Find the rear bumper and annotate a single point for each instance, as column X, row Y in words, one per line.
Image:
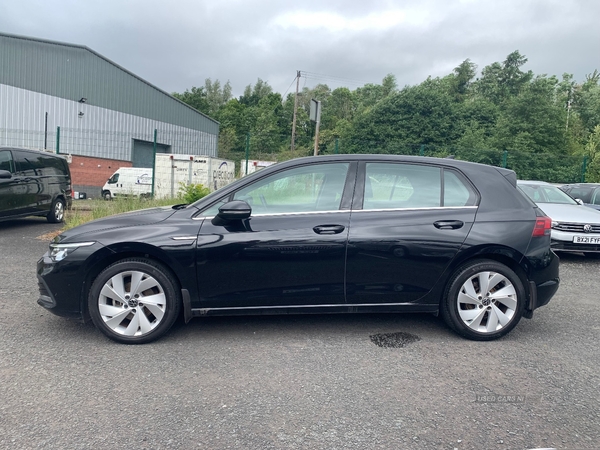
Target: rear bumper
column 544, row 280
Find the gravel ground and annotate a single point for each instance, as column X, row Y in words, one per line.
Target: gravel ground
column 297, row 382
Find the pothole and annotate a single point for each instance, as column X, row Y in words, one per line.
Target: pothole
column 394, row 340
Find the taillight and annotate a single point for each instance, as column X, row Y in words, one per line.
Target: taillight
column 542, row 226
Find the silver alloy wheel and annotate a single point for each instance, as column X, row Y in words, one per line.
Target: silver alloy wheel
column 487, row 302
column 132, row 303
column 59, row 211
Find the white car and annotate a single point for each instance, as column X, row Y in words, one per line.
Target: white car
column 575, row 228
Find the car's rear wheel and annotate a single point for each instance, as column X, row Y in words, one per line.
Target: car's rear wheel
column 57, row 211
column 484, row 300
column 134, row 301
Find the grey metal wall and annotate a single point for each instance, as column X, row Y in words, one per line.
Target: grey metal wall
column 71, row 72
column 98, row 132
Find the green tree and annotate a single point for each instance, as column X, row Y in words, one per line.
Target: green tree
column 196, row 98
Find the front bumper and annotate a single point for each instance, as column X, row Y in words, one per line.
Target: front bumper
column 562, row 241
column 62, row 284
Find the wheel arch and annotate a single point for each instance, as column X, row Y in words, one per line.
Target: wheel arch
column 501, row 254
column 121, row 252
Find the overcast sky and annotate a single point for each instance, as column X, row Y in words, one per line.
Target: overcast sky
column 177, row 44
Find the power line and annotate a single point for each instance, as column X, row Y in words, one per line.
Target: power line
column 332, row 78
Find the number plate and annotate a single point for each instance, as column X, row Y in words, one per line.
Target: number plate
column 586, row 240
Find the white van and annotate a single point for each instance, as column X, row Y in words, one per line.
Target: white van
column 126, row 181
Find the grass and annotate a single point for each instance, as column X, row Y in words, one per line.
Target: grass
column 86, row 210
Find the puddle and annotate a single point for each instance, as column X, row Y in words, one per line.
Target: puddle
column 394, row 340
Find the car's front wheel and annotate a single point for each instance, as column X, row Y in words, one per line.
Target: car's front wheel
column 134, row 301
column 484, row 300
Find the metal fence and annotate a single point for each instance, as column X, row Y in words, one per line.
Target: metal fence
column 549, row 167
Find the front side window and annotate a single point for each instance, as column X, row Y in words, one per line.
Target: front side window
column 393, row 186
column 582, row 193
column 317, row 187
column 113, row 179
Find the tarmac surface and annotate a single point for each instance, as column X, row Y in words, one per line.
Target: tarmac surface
column 296, row 382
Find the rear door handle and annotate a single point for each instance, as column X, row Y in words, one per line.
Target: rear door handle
column 329, row 229
column 448, row 224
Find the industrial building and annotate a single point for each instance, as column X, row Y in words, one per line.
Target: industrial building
column 68, row 99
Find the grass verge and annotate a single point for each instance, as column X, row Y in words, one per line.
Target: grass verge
column 85, row 211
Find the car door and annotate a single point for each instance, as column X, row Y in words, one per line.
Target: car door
column 30, row 183
column 408, row 222
column 10, row 203
column 292, row 250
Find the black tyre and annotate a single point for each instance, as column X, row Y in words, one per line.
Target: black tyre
column 57, row 211
column 134, row 301
column 484, row 300
column 106, row 195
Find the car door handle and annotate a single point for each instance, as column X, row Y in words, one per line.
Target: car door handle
column 448, row 224
column 329, row 229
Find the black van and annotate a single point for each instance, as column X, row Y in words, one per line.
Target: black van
column 33, row 183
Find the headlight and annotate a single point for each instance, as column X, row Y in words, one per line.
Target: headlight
column 58, row 252
column 555, row 224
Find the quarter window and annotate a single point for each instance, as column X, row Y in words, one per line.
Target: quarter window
column 456, row 190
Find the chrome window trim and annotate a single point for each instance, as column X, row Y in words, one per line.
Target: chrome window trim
column 287, row 213
column 415, row 209
column 183, row 238
column 348, row 210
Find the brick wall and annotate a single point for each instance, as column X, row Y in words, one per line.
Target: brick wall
column 87, row 171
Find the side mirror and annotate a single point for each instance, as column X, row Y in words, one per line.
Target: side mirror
column 235, row 210
column 5, row 175
column 578, row 200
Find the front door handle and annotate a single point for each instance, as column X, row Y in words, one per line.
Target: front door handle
column 448, row 224
column 329, row 229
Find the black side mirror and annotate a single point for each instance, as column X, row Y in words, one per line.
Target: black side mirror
column 5, row 175
column 235, row 210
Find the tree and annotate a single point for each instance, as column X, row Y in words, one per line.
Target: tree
column 216, row 96
column 196, row 98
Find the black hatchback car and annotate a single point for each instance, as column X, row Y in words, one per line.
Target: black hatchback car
column 33, row 183
column 347, row 233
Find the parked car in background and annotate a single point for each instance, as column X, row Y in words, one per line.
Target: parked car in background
column 575, row 227
column 588, row 193
column 33, row 183
column 328, row 234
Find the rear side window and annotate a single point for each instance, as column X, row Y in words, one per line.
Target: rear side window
column 6, row 161
column 392, row 186
column 28, row 163
column 397, row 186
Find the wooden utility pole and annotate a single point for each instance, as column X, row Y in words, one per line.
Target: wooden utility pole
column 295, row 111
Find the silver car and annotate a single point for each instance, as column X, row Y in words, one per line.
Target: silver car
column 575, row 228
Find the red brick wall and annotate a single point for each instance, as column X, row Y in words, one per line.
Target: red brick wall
column 87, row 171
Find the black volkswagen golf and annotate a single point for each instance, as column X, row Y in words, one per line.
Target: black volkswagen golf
column 329, row 234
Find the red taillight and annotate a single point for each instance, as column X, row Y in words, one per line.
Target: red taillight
column 542, row 226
